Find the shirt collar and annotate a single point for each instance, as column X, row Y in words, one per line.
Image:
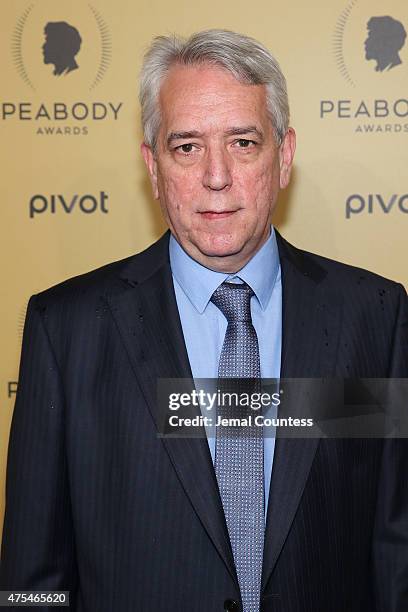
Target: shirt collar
column 199, row 282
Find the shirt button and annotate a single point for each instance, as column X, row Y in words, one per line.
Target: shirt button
column 231, row 605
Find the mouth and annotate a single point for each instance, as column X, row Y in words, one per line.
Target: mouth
column 223, row 214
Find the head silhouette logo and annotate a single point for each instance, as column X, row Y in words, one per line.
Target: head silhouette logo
column 62, row 44
column 386, row 37
column 53, row 46
column 368, row 45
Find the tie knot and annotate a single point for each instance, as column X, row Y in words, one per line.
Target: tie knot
column 233, row 299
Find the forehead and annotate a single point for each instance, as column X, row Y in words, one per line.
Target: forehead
column 209, row 96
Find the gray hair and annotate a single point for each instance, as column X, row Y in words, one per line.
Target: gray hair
column 245, row 58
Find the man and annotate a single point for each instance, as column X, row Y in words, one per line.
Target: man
column 97, row 502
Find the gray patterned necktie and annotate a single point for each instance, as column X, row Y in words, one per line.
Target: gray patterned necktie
column 239, row 450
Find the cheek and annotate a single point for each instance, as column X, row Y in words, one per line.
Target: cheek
column 177, row 191
column 259, row 186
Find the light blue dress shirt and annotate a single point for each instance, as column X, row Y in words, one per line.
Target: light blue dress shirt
column 204, row 325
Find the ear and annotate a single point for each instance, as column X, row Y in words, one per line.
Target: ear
column 286, row 154
column 151, row 166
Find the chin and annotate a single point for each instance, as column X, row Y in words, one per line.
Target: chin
column 221, row 245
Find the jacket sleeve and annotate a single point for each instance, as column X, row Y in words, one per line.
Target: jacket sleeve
column 38, row 549
column 390, row 538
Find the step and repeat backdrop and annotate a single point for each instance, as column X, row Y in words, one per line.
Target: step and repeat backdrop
column 73, row 191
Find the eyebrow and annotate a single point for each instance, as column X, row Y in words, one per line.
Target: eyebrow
column 182, row 135
column 247, row 129
column 233, row 131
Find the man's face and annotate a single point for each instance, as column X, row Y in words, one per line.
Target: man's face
column 370, row 46
column 47, row 50
column 217, row 168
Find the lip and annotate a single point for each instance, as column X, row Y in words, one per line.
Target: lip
column 210, row 214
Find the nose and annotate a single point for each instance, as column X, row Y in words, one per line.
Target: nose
column 217, row 172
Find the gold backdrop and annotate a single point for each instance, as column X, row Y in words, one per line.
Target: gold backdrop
column 74, row 194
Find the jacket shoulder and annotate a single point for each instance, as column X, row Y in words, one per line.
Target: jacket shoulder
column 353, row 274
column 336, row 273
column 109, row 279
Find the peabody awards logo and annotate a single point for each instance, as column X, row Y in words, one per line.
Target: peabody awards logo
column 62, row 52
column 370, row 50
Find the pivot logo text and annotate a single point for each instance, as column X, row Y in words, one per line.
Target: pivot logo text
column 88, row 204
column 375, row 203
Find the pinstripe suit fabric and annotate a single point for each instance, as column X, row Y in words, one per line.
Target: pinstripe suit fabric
column 128, row 522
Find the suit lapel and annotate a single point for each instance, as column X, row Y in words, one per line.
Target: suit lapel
column 310, row 331
column 147, row 317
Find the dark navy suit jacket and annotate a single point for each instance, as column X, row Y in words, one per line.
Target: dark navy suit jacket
column 99, row 505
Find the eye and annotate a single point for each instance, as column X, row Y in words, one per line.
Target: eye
column 244, row 143
column 188, row 147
